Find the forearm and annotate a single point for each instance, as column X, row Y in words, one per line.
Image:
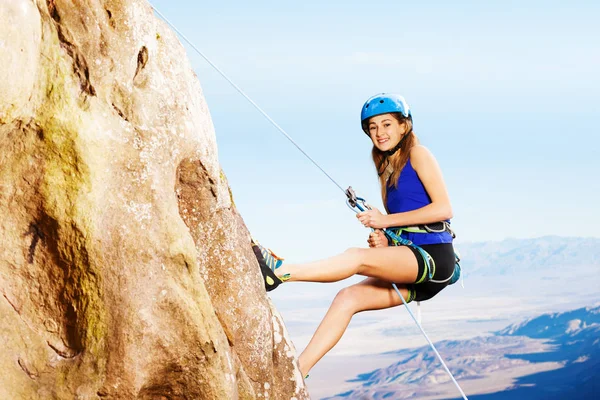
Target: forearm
column 425, row 215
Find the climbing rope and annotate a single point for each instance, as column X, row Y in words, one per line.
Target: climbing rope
column 352, row 201
column 280, row 129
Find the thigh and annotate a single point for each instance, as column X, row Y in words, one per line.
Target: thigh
column 374, row 294
column 392, row 263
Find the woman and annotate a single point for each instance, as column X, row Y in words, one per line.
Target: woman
column 414, row 195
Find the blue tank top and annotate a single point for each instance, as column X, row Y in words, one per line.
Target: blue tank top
column 411, row 195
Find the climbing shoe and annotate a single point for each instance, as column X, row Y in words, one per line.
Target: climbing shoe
column 268, row 262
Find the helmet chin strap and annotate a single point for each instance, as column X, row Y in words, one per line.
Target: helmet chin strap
column 393, row 151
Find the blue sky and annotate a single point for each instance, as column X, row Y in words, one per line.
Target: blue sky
column 505, row 94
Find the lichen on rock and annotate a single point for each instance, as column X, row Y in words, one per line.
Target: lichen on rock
column 125, row 270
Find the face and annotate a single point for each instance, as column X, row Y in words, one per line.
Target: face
column 385, row 131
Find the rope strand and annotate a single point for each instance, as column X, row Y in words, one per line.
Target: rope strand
column 430, row 343
column 280, row 129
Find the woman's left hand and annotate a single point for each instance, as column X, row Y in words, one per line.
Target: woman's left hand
column 372, row 218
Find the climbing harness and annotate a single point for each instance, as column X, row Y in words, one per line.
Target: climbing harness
column 395, row 102
column 437, row 227
column 358, row 204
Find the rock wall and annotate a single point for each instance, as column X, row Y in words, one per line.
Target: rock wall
column 125, row 270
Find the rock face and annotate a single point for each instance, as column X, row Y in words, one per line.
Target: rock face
column 125, row 270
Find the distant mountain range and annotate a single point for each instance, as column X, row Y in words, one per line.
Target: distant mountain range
column 569, row 340
column 529, row 255
column 557, row 325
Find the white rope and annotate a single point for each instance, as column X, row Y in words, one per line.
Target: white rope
column 315, row 163
column 246, row 96
column 430, row 343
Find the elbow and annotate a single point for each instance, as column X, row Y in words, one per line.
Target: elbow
column 446, row 213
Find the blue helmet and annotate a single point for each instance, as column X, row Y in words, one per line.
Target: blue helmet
column 384, row 103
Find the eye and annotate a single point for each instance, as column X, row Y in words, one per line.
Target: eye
column 386, row 125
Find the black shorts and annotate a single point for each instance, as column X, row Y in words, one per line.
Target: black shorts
column 442, row 265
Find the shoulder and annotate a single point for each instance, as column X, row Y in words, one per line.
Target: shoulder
column 420, row 156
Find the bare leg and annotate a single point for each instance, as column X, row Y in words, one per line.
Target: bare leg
column 393, row 264
column 370, row 294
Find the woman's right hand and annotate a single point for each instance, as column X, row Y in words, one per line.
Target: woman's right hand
column 377, row 239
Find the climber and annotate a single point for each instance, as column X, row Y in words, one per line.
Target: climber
column 414, row 195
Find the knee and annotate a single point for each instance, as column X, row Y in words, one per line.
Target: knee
column 353, row 250
column 347, row 300
column 356, row 253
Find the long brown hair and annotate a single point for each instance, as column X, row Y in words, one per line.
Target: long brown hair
column 397, row 161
